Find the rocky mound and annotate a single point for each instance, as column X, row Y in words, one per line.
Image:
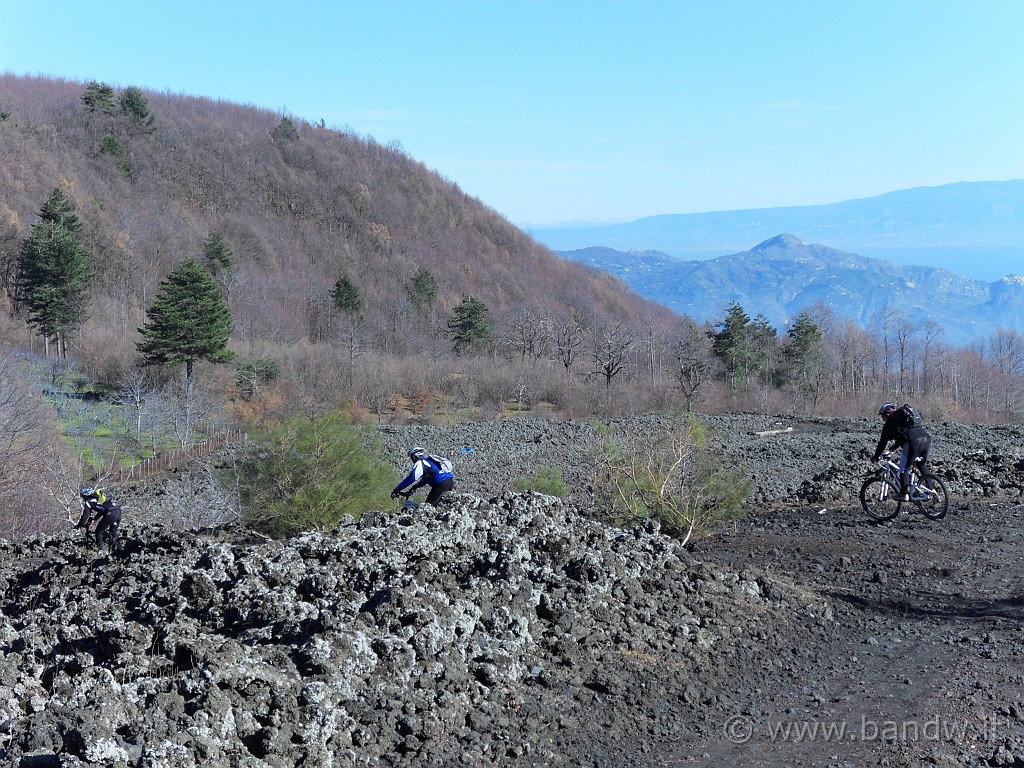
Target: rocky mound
column 487, row 632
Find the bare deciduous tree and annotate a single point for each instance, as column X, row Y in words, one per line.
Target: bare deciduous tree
column 1007, row 349
column 529, row 330
column 692, row 351
column 29, row 442
column 611, row 352
column 569, row 336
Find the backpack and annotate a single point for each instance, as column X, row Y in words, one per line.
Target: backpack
column 907, row 417
column 443, row 464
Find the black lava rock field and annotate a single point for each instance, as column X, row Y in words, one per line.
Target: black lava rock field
column 512, row 628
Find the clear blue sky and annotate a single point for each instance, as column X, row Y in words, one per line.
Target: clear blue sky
column 558, row 111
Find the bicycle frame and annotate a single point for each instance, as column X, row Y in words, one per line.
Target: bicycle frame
column 882, row 494
column 891, row 471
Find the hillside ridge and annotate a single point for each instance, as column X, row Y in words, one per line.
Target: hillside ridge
column 298, row 205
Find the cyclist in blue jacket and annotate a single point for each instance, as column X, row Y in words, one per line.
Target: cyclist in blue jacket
column 427, row 469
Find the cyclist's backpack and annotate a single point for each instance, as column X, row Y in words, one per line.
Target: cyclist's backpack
column 443, row 464
column 907, row 417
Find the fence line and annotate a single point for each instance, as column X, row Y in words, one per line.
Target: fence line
column 164, row 461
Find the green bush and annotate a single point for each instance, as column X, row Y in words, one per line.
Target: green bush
column 253, row 373
column 309, row 473
column 672, row 478
column 546, row 480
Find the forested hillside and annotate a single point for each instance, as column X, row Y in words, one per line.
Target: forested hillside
column 350, row 273
column 343, row 260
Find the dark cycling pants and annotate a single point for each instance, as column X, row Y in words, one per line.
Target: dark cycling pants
column 917, row 446
column 106, row 528
column 436, row 491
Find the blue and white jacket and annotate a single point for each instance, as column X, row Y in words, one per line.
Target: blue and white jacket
column 430, row 470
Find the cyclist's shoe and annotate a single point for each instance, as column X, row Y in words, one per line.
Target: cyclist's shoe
column 905, row 496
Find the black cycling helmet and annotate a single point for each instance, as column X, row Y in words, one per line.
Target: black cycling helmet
column 416, row 453
column 886, row 409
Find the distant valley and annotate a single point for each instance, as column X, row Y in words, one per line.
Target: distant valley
column 974, row 229
column 784, row 275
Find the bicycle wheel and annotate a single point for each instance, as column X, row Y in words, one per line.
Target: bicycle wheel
column 880, row 499
column 937, row 504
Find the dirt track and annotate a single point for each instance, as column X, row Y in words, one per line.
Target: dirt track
column 923, row 664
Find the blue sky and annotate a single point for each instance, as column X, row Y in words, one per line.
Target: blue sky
column 557, row 112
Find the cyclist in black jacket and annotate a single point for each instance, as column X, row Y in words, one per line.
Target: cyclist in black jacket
column 913, row 439
column 102, row 510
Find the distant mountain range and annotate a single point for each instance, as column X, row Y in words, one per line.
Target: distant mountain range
column 783, row 275
column 971, row 228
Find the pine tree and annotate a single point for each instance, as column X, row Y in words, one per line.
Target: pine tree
column 469, row 326
column 99, row 97
column 422, row 290
column 285, row 132
column 53, row 273
column 803, row 356
column 135, row 107
column 804, row 339
column 188, row 321
column 732, row 345
column 218, row 258
column 345, row 296
column 60, row 209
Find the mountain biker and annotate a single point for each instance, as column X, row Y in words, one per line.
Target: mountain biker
column 902, row 426
column 92, row 498
column 102, row 510
column 427, row 469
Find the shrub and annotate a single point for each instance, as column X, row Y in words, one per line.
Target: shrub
column 253, row 373
column 546, row 480
column 672, row 478
column 309, row 473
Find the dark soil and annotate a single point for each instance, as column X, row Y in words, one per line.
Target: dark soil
column 516, row 629
column 923, row 662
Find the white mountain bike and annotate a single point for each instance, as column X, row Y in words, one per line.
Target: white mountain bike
column 882, row 499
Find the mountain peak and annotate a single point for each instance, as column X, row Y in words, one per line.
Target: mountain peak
column 784, row 241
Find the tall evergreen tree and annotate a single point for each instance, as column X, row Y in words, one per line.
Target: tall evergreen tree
column 99, row 97
column 764, row 347
column 53, row 273
column 731, row 344
column 285, row 131
column 469, row 326
column 188, row 321
column 218, row 258
column 422, row 290
column 345, row 296
column 803, row 356
column 60, row 209
column 217, row 253
column 135, row 107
